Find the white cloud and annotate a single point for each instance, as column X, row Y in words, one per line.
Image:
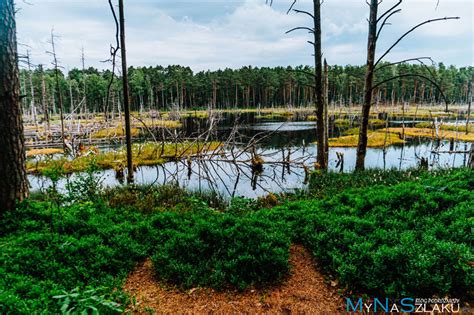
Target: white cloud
column 235, row 33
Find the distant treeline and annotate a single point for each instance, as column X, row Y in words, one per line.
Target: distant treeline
column 162, row 88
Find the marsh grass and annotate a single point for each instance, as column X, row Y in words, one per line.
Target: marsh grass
column 45, row 151
column 148, row 153
column 430, row 133
column 376, row 139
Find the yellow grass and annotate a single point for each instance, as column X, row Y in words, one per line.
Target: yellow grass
column 157, row 123
column 459, row 128
column 202, row 114
column 268, row 116
column 114, row 132
column 375, row 139
column 430, row 133
column 48, row 151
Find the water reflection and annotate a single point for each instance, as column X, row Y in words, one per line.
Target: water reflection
column 237, row 179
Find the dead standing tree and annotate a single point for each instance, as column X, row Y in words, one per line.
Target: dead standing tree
column 126, row 95
column 317, row 75
column 58, row 88
column 376, row 25
column 13, row 179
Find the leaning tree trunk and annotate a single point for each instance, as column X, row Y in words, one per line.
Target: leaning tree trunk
column 13, row 181
column 369, row 79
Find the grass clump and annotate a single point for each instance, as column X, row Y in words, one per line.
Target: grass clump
column 430, row 133
column 458, row 128
column 376, row 139
column 114, row 132
column 47, row 151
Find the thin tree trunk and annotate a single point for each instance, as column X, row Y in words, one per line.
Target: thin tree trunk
column 13, row 179
column 369, row 78
column 126, row 95
column 44, row 100
column 58, row 91
column 470, row 100
column 326, row 114
column 318, row 72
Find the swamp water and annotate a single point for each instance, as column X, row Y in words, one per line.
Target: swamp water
column 278, row 137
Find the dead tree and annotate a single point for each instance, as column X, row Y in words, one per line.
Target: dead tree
column 470, row 100
column 471, row 157
column 126, row 95
column 376, row 25
column 13, row 179
column 326, row 113
column 84, row 82
column 58, row 89
column 32, row 91
column 318, row 76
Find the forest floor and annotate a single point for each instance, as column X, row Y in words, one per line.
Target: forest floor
column 305, row 290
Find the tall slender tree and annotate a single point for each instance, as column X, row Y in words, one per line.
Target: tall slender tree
column 126, row 95
column 13, row 180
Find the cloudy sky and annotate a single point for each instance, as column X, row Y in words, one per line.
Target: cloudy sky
column 212, row 34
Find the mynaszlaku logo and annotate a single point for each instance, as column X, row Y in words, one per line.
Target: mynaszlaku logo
column 405, row 305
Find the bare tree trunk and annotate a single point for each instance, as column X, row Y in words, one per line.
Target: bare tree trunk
column 471, row 157
column 44, row 100
column 58, row 91
column 326, row 114
column 369, row 78
column 126, row 95
column 84, row 83
column 470, row 100
column 318, row 74
column 32, row 89
column 13, row 180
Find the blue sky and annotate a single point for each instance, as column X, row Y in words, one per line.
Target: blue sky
column 216, row 34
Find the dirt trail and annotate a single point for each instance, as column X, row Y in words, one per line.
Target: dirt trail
column 303, row 292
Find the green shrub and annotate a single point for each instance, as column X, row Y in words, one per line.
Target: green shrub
column 220, row 251
column 45, row 252
column 412, row 238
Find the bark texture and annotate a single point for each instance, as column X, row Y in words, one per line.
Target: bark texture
column 13, row 180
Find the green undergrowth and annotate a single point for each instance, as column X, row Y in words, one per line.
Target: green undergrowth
column 393, row 238
column 386, row 233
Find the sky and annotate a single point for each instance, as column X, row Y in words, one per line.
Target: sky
column 213, row 34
